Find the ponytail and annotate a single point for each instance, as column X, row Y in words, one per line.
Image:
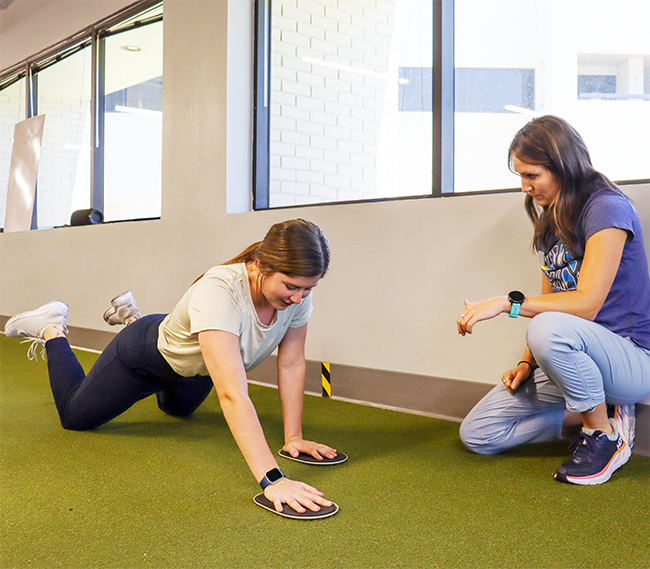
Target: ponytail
column 246, row 256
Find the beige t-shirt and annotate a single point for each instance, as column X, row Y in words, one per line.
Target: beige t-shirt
column 221, row 300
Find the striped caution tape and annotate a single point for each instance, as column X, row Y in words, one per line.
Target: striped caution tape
column 325, row 379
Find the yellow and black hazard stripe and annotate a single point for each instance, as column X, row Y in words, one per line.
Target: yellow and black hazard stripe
column 325, row 379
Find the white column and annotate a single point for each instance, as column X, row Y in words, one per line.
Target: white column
column 629, row 76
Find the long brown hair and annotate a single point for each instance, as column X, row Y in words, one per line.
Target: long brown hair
column 295, row 247
column 551, row 142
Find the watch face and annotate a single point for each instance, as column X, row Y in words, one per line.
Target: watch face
column 516, row 296
column 274, row 475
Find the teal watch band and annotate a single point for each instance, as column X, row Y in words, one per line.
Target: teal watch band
column 516, row 299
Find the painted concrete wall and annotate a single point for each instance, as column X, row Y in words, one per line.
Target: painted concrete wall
column 400, row 269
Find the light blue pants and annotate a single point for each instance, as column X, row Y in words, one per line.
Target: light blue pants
column 581, row 364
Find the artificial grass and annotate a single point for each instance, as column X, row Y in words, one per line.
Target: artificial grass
column 151, row 491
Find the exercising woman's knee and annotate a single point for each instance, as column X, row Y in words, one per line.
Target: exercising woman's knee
column 175, row 408
column 76, row 424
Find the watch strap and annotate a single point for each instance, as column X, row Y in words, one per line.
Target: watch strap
column 271, row 477
column 516, row 299
column 514, row 310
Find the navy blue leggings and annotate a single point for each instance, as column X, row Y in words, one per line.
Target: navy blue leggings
column 128, row 370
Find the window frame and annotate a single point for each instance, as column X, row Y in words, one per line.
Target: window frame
column 94, row 37
column 443, row 107
column 443, row 112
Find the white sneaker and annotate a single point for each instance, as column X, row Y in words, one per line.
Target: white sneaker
column 32, row 324
column 624, row 415
column 123, row 310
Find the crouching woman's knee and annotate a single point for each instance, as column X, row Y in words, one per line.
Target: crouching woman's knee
column 542, row 332
column 471, row 437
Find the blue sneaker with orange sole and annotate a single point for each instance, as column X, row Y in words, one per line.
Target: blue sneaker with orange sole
column 595, row 458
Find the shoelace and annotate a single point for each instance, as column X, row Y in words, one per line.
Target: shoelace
column 583, row 446
column 31, row 352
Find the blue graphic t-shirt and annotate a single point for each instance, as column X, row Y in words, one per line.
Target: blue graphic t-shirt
column 626, row 310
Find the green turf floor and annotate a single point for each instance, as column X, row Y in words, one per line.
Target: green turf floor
column 150, row 491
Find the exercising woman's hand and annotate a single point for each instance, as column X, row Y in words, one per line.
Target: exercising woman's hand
column 513, row 378
column 482, row 310
column 318, row 451
column 295, row 494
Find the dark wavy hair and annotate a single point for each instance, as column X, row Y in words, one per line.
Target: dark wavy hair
column 295, row 247
column 551, row 142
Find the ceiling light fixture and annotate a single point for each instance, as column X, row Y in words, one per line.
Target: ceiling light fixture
column 131, row 48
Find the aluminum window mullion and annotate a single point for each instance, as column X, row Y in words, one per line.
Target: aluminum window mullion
column 443, row 97
column 134, row 25
column 98, row 102
column 12, row 79
column 41, row 66
column 31, row 110
column 261, row 111
column 31, row 92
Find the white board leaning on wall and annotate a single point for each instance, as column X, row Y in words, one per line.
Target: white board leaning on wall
column 25, row 157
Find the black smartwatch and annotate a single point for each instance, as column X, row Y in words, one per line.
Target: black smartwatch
column 516, row 299
column 271, row 477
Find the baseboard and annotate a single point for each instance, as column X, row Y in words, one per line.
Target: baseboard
column 443, row 398
column 425, row 395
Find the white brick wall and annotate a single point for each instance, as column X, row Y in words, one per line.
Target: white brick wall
column 333, row 134
column 64, row 171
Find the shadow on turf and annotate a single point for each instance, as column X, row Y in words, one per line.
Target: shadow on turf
column 201, row 425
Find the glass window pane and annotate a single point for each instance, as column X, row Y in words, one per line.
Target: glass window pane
column 351, row 100
column 12, row 111
column 64, row 172
column 587, row 61
column 133, row 124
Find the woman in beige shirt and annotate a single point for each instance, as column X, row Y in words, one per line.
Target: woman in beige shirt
column 228, row 321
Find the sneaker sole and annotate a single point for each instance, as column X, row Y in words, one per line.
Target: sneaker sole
column 112, row 312
column 619, row 459
column 108, row 314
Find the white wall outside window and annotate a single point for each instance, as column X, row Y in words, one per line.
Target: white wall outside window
column 63, row 184
column 336, row 129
